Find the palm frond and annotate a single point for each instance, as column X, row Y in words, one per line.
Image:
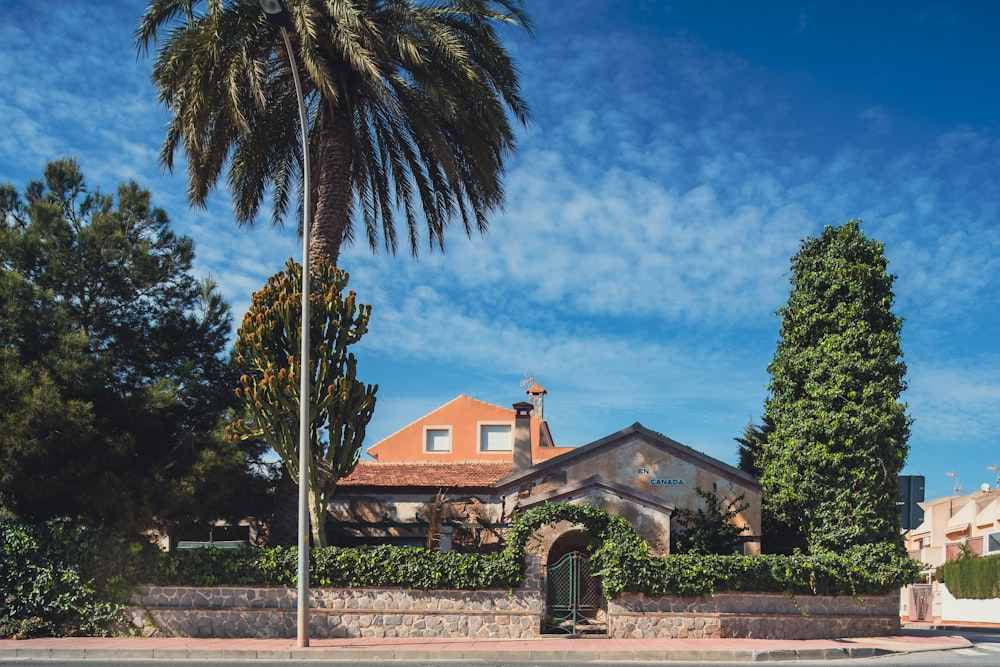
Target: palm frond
column 409, row 104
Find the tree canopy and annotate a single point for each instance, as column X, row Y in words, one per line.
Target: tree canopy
column 407, row 100
column 268, row 354
column 113, row 381
column 750, row 444
column 830, row 465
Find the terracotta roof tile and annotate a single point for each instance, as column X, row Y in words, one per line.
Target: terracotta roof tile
column 436, row 474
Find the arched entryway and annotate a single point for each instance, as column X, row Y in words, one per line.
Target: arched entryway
column 574, row 600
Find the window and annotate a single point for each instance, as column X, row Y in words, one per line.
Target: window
column 495, row 438
column 437, row 439
column 991, row 542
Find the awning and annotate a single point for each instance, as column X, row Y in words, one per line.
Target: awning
column 962, row 519
column 989, row 515
column 954, row 528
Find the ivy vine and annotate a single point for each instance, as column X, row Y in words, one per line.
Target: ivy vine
column 620, row 557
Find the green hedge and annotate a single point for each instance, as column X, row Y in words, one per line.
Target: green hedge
column 863, row 570
column 397, row 566
column 336, row 567
column 972, row 577
column 61, row 580
column 621, row 558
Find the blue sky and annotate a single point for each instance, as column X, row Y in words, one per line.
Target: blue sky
column 679, row 153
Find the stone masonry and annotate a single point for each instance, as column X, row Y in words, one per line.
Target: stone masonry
column 753, row 616
column 392, row 613
column 231, row 612
column 366, row 612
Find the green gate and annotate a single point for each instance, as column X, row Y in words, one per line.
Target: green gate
column 573, row 598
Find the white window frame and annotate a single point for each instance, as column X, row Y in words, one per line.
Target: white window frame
column 995, row 534
column 481, row 443
column 426, row 441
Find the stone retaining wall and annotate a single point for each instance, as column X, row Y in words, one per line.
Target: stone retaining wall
column 364, row 612
column 377, row 613
column 754, row 615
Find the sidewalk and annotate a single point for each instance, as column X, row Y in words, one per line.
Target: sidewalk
column 497, row 650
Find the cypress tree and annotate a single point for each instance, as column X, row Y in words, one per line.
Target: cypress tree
column 829, row 468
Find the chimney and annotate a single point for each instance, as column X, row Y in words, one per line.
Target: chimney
column 522, row 436
column 536, row 394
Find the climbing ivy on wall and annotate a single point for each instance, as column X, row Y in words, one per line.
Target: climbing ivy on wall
column 620, row 557
column 35, row 605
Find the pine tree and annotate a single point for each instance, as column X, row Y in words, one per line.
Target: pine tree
column 830, row 466
column 112, row 372
column 750, row 444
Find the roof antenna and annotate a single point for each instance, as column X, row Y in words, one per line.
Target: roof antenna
column 528, row 380
column 996, row 471
column 954, row 476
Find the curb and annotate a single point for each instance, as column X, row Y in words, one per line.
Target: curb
column 349, row 656
column 958, row 627
column 391, row 654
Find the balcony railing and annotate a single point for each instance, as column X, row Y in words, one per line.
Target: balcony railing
column 932, row 556
column 953, row 550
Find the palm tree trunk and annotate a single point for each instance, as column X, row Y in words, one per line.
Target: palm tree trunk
column 332, row 192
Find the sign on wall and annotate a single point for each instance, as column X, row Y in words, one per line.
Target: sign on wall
column 660, row 481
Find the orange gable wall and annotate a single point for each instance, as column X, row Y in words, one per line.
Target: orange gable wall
column 463, row 414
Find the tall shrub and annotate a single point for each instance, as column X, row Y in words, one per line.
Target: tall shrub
column 830, row 465
column 972, row 577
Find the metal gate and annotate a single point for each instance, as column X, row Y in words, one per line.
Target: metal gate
column 573, row 598
column 921, row 602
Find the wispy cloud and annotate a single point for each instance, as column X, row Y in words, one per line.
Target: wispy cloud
column 878, row 119
column 683, row 225
column 652, row 210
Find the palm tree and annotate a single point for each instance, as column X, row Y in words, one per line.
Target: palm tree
column 408, row 104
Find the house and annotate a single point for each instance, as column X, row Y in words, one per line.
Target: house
column 465, row 429
column 951, row 525
column 954, row 523
column 454, row 477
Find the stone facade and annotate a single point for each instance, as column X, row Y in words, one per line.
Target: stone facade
column 640, row 475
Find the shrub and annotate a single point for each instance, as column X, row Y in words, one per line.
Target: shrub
column 972, row 577
column 60, row 580
column 57, row 579
column 337, row 567
column 621, row 558
column 711, row 529
column 798, row 574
